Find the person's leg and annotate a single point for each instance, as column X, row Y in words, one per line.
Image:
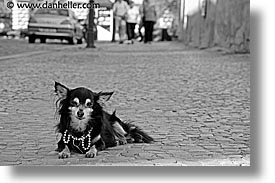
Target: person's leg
column 117, row 25
column 122, row 30
column 133, row 26
column 162, row 35
column 128, row 30
column 149, row 31
column 146, row 30
column 151, row 28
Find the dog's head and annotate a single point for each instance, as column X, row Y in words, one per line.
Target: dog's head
column 78, row 106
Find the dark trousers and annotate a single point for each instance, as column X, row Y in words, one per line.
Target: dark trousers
column 149, row 27
column 131, row 30
column 165, row 36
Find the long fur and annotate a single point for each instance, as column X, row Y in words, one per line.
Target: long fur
column 134, row 133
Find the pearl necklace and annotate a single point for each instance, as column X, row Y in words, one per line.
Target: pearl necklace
column 67, row 137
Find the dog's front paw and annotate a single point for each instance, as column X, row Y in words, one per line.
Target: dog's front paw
column 91, row 153
column 63, row 155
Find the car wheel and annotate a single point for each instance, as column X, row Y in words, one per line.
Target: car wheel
column 31, row 39
column 42, row 40
column 79, row 41
column 72, row 40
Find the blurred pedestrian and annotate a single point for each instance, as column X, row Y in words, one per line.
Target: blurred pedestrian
column 132, row 18
column 165, row 23
column 120, row 9
column 150, row 17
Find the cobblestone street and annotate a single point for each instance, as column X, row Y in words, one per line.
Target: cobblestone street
column 194, row 103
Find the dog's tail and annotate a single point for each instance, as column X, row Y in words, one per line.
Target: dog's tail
column 133, row 133
column 136, row 134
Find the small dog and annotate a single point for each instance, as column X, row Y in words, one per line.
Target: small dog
column 86, row 128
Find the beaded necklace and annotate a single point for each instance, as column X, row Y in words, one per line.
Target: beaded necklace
column 67, row 137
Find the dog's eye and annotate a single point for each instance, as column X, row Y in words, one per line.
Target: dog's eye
column 74, row 104
column 89, row 104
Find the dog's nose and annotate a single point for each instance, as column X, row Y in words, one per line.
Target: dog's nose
column 80, row 113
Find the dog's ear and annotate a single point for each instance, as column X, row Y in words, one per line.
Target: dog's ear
column 61, row 90
column 104, row 97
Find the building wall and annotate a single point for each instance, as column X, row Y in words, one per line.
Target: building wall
column 20, row 16
column 225, row 25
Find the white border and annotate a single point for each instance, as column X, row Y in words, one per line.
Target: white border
column 265, row 172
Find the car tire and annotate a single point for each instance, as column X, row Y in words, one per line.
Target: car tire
column 31, row 39
column 42, row 40
column 72, row 40
column 79, row 41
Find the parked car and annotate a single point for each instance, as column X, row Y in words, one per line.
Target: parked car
column 5, row 23
column 54, row 24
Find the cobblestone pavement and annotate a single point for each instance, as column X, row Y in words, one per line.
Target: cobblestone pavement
column 19, row 46
column 196, row 104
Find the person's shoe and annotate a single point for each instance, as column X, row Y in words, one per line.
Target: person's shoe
column 120, row 42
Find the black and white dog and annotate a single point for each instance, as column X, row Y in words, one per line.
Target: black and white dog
column 86, row 128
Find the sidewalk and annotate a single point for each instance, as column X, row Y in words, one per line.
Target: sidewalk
column 196, row 104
